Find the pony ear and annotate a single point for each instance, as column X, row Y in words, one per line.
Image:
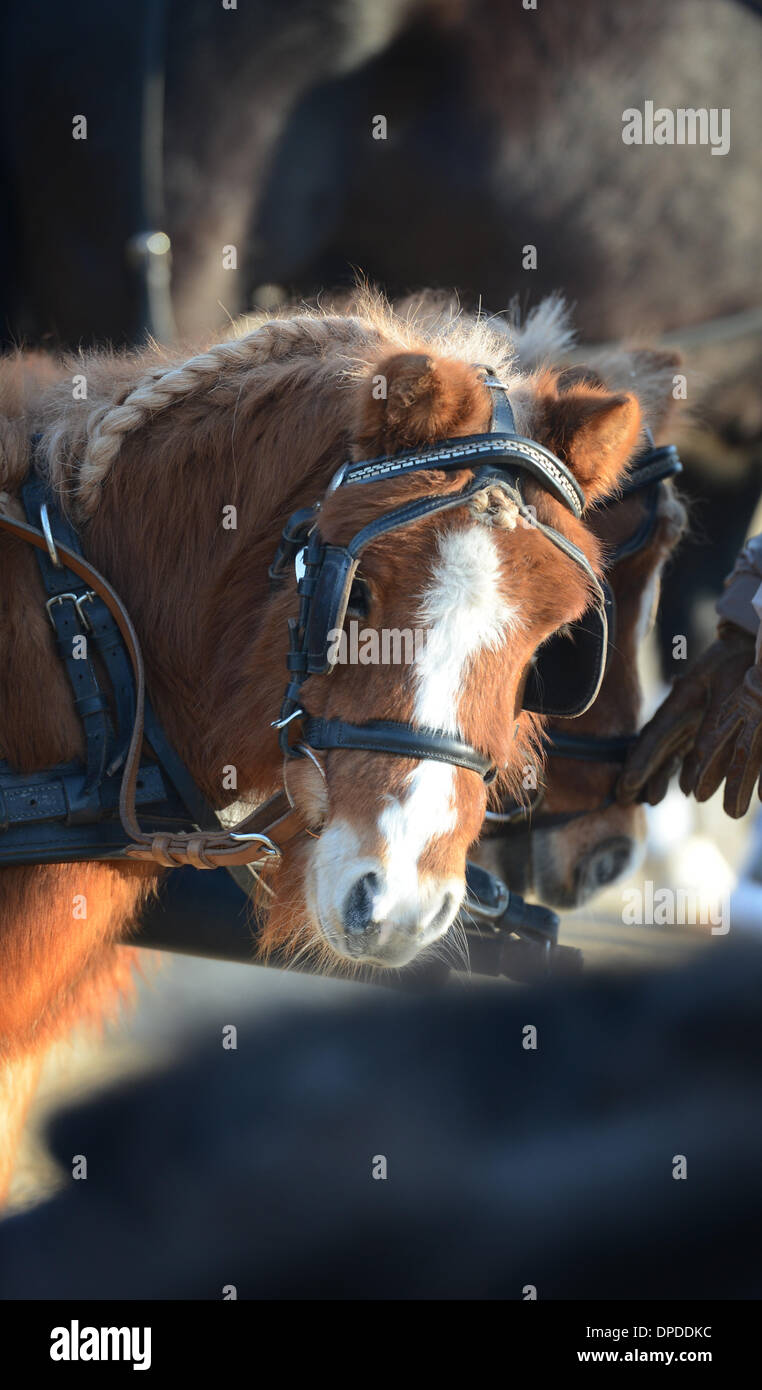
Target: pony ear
column 414, row 398
column 594, row 433
column 649, row 373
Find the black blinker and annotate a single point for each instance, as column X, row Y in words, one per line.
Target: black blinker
column 569, row 667
column 328, row 605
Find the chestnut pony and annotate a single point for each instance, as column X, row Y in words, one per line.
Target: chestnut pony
column 148, row 466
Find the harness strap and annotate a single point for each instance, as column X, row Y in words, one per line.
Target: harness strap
column 28, row 798
column 649, row 470
column 95, row 620
column 653, row 465
column 590, row 747
column 250, row 840
column 388, row 736
column 66, row 599
column 90, row 703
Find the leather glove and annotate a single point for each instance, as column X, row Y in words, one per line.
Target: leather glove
column 681, row 731
column 731, row 749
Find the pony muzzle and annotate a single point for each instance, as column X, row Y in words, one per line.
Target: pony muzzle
column 370, row 913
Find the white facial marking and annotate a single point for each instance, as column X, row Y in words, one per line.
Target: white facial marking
column 405, row 923
column 336, row 865
column 463, row 613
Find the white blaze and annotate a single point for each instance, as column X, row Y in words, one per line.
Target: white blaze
column 463, row 614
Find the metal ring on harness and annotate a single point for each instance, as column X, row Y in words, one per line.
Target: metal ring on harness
column 48, row 534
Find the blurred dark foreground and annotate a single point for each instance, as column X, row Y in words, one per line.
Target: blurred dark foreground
column 506, row 1167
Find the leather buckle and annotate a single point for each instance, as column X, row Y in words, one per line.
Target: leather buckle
column 85, row 598
column 288, row 749
column 77, row 600
column 60, row 598
column 268, row 846
column 281, row 723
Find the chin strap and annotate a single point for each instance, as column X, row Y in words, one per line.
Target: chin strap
column 251, row 840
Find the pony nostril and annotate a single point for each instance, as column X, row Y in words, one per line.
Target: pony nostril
column 441, row 916
column 606, row 863
column 358, row 907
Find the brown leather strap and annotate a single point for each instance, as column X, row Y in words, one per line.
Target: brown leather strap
column 202, row 849
column 209, row 850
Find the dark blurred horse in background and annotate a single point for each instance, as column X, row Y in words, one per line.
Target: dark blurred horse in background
column 248, row 136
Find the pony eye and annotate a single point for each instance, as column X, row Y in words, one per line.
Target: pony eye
column 359, row 599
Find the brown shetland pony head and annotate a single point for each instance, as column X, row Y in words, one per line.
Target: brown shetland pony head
column 150, row 465
column 565, row 864
column 386, row 875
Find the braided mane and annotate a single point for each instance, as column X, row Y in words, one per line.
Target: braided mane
column 83, row 438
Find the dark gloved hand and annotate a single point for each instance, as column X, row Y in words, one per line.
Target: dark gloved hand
column 731, row 749
column 682, row 729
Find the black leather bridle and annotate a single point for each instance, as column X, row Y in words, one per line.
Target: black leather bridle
column 650, row 470
column 326, row 574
